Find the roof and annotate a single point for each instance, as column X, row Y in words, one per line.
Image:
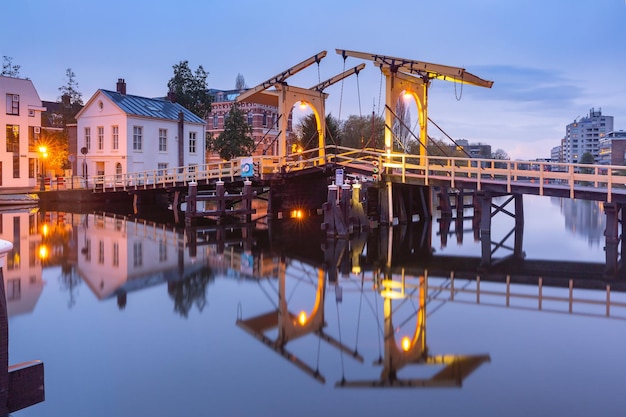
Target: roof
column 151, row 107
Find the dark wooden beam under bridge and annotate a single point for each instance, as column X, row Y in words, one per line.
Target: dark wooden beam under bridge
column 614, row 240
column 397, row 203
column 485, row 204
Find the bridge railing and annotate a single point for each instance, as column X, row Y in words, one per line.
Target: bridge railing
column 428, row 168
column 571, row 176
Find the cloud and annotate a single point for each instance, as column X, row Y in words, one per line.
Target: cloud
column 527, row 87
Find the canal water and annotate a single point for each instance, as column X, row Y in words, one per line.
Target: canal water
column 133, row 316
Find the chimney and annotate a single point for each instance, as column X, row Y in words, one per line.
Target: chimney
column 121, row 86
column 171, row 96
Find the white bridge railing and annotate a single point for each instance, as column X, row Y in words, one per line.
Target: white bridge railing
column 402, row 167
column 429, row 170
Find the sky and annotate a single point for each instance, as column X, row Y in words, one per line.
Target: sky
column 551, row 61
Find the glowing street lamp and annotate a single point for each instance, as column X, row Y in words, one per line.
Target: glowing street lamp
column 43, row 151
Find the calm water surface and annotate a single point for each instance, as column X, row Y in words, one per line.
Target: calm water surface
column 128, row 323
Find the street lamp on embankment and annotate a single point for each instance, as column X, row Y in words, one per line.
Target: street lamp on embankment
column 43, row 152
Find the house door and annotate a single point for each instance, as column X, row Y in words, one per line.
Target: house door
column 99, row 168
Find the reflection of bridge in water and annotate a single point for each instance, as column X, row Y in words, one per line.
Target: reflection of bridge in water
column 298, row 269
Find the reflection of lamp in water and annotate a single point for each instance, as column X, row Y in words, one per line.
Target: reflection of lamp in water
column 43, row 252
column 392, row 289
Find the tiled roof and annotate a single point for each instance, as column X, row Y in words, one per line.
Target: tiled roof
column 151, row 107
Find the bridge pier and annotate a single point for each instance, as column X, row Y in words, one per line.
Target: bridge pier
column 614, row 242
column 485, row 202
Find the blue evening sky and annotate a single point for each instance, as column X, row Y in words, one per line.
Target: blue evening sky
column 550, row 60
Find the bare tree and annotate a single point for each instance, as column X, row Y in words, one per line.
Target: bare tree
column 8, row 69
column 401, row 123
column 71, row 99
column 240, row 83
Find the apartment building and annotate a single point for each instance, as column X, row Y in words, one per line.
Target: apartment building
column 584, row 135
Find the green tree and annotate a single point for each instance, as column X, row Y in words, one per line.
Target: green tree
column 363, row 132
column 190, row 89
column 8, row 69
column 440, row 147
column 235, row 139
column 71, row 99
column 587, row 159
column 308, row 137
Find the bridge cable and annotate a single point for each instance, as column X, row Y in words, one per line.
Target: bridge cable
column 380, row 89
column 412, row 134
column 266, row 133
column 343, row 377
column 342, row 80
column 458, row 97
column 358, row 323
column 449, row 137
column 358, row 92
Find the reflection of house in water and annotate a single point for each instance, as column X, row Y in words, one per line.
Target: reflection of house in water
column 23, row 270
column 584, row 217
column 118, row 256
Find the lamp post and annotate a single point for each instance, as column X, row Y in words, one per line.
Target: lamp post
column 43, row 151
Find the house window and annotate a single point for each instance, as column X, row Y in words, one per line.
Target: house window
column 215, row 119
column 13, row 104
column 100, row 138
column 116, row 254
column 115, row 137
column 33, row 138
column 137, row 254
column 87, row 250
column 100, row 252
column 137, row 138
column 161, row 168
column 118, row 171
column 13, row 138
column 192, row 142
column 265, row 119
column 88, row 138
column 162, row 140
column 162, row 251
column 250, row 118
column 14, row 290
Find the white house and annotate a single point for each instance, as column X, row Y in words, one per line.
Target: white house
column 120, row 133
column 21, row 124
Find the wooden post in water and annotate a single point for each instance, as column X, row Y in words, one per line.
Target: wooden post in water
column 220, row 191
column 612, row 211
column 247, row 200
column 21, row 385
column 190, row 211
column 484, row 199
